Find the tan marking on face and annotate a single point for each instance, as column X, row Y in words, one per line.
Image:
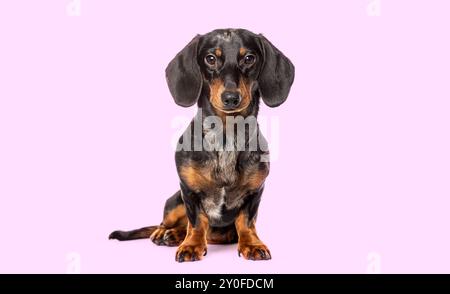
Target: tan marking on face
column 217, row 87
column 242, row 51
column 245, row 89
column 218, row 52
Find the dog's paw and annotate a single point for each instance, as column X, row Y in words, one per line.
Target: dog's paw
column 168, row 237
column 157, row 236
column 254, row 252
column 190, row 252
column 174, row 237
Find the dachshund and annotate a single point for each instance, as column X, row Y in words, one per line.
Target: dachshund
column 225, row 72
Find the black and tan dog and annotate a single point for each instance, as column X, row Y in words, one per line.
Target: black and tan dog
column 225, row 72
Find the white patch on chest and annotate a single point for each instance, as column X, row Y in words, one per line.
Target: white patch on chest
column 213, row 205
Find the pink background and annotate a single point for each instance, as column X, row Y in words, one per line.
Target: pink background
column 86, row 129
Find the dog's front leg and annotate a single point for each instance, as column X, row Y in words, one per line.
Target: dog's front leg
column 249, row 244
column 193, row 247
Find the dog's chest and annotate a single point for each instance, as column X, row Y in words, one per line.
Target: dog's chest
column 221, row 206
column 225, row 171
column 224, row 196
column 214, row 204
column 228, row 173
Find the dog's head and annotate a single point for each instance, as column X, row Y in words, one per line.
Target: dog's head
column 232, row 68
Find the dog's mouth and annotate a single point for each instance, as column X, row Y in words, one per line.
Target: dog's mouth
column 217, row 100
column 229, row 111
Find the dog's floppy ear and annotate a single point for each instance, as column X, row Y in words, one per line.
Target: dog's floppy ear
column 183, row 75
column 276, row 75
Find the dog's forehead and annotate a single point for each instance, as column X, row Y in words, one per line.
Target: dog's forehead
column 226, row 39
column 226, row 36
column 230, row 39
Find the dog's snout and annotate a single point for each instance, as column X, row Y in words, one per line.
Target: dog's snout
column 230, row 99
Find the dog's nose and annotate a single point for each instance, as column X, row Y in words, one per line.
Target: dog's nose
column 231, row 100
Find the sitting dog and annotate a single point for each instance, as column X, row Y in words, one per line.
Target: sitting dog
column 222, row 172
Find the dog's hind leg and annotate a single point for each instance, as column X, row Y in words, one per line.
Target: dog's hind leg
column 173, row 228
column 170, row 232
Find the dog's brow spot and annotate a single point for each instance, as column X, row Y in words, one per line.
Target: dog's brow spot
column 242, row 51
column 226, row 36
column 218, row 52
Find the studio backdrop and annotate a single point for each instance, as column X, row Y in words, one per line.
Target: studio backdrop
column 360, row 161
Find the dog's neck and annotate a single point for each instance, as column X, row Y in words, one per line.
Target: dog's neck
column 233, row 137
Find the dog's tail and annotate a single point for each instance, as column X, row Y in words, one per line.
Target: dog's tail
column 141, row 233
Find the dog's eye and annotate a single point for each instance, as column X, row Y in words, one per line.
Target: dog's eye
column 249, row 59
column 210, row 59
